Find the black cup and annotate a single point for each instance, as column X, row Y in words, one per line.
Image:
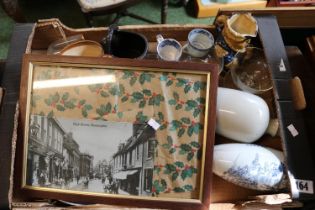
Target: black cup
column 125, row 44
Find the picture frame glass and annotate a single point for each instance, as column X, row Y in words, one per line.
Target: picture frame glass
column 116, row 130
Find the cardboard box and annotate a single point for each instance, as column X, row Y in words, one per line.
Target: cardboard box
column 224, row 195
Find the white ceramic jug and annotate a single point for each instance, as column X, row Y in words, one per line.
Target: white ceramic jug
column 242, row 116
column 250, row 166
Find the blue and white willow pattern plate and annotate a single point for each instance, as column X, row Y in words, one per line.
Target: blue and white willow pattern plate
column 250, row 166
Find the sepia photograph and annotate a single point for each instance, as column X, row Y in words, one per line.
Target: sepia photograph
column 90, row 155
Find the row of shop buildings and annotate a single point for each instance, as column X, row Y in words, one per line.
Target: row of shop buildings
column 54, row 156
column 132, row 164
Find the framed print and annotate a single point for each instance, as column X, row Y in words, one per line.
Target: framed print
column 118, row 131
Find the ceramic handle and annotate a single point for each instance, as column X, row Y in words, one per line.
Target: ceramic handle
column 159, row 38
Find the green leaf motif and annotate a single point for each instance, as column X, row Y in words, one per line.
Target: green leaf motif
column 169, row 168
column 104, row 94
column 172, row 102
column 100, row 111
column 178, row 189
column 147, row 92
column 60, row 108
column 141, row 117
column 201, row 100
column 84, row 113
column 173, row 150
column 65, row 96
column 178, row 106
column 124, row 99
column 48, row 101
column 185, row 120
column 120, row 115
column 142, row 103
column 163, row 127
column 163, row 183
column 151, row 101
column 197, row 86
column 169, row 83
column 174, row 176
column 190, row 156
column 196, row 112
column 70, row 104
column 50, row 114
column 132, row 81
column 191, row 104
column 142, row 78
column 117, row 90
column 176, row 96
column 175, row 124
column 81, row 102
column 157, row 99
column 108, row 108
column 181, row 132
column 94, row 88
column 186, row 173
column 137, row 96
column 161, row 116
column 190, row 130
column 127, row 74
column 196, row 128
column 188, row 187
column 187, row 88
column 181, row 82
column 185, row 147
column 166, row 146
column 104, row 109
column 157, row 170
column 88, row 107
column 195, row 144
column 179, row 164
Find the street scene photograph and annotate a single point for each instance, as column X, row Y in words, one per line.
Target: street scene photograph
column 90, row 155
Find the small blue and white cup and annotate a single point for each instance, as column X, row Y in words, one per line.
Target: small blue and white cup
column 200, row 41
column 168, row 49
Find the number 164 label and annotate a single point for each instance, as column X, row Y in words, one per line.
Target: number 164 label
column 304, row 186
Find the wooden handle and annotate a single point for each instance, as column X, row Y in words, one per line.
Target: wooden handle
column 298, row 97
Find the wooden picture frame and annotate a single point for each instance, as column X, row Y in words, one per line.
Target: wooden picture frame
column 176, row 101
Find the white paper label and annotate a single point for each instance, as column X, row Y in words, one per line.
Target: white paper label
column 292, row 130
column 282, row 66
column 155, row 125
column 304, row 186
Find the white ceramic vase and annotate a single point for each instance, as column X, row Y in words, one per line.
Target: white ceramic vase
column 242, row 116
column 249, row 165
